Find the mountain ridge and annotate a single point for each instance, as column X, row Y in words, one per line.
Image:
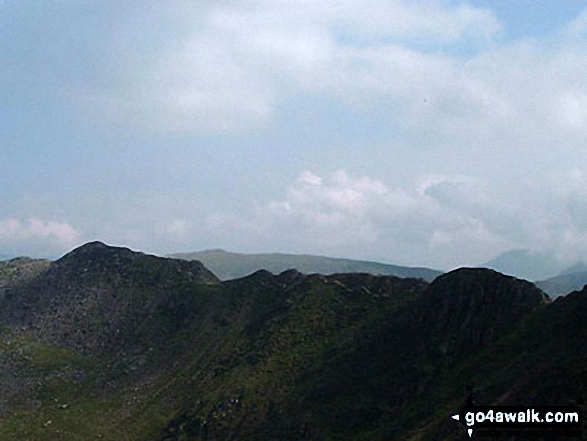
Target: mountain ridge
column 230, row 265
column 107, row 343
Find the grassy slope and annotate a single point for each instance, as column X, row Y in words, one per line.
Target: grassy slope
column 254, row 340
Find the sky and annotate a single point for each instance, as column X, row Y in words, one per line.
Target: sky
column 429, row 133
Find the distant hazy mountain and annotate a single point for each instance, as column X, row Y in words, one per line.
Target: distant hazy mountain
column 579, row 267
column 525, row 264
column 227, row 265
column 5, row 257
column 564, row 283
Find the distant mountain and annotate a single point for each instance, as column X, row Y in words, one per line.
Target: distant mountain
column 227, row 265
column 563, row 284
column 525, row 264
column 109, row 344
column 4, row 257
column 579, row 267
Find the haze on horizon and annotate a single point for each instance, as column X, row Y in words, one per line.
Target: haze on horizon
column 422, row 133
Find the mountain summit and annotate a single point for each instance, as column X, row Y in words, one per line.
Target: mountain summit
column 474, row 307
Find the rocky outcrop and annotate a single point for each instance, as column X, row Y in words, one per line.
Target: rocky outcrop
column 470, row 308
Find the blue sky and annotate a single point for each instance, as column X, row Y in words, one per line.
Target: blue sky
column 434, row 133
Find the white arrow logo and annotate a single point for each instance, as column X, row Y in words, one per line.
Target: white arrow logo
column 456, row 417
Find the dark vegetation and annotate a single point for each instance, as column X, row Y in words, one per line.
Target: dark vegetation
column 109, row 344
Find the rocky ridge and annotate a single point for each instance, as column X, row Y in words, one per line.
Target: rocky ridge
column 107, row 343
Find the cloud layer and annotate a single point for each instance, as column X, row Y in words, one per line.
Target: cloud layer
column 444, row 221
column 240, row 61
column 184, row 124
column 441, row 68
column 37, row 235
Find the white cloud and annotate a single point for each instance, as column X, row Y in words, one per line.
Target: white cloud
column 422, row 21
column 578, row 26
column 205, row 86
column 442, row 221
column 346, row 215
column 374, row 18
column 240, row 63
column 241, row 60
column 572, row 109
column 442, row 80
column 154, row 222
column 36, row 233
column 174, row 229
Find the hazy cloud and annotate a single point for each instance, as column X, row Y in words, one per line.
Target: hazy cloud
column 443, row 221
column 445, row 122
column 21, row 236
column 238, row 64
column 578, row 26
column 343, row 214
column 240, row 60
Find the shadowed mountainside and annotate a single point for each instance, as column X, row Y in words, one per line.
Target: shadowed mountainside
column 106, row 343
column 227, row 265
